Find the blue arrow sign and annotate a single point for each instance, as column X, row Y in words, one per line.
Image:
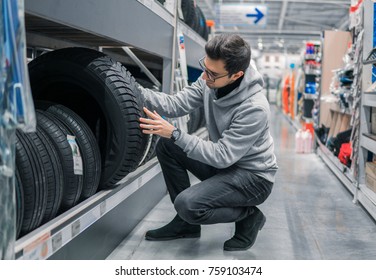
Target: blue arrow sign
column 258, row 16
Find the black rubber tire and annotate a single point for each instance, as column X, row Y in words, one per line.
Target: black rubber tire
column 104, row 94
column 87, row 144
column 151, row 152
column 204, row 29
column 19, row 203
column 150, row 149
column 53, row 172
column 33, row 180
column 200, row 21
column 147, row 84
column 58, row 136
column 189, row 13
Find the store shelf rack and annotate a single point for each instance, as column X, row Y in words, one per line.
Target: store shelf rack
column 95, row 227
column 341, row 171
column 92, row 229
column 368, row 142
column 311, row 96
column 53, row 236
column 368, row 99
column 142, row 24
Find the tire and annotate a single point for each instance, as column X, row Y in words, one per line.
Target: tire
column 33, row 180
column 19, row 203
column 58, row 136
column 87, row 144
column 53, row 172
column 189, row 14
column 104, row 94
column 146, row 84
column 204, row 29
column 150, row 149
column 200, row 21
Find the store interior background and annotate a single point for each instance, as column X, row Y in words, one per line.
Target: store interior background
column 318, row 80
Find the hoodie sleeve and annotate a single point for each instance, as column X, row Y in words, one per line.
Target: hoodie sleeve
column 176, row 105
column 234, row 143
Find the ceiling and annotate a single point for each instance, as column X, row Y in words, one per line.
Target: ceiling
column 287, row 23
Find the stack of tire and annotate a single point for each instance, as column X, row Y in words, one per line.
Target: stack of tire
column 194, row 17
column 88, row 108
column 57, row 166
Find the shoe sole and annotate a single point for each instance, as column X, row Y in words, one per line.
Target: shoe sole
column 246, row 248
column 190, row 235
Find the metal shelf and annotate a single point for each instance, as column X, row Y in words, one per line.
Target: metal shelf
column 368, row 199
column 341, row 171
column 369, row 99
column 311, row 56
column 311, row 96
column 72, row 233
column 52, row 236
column 368, row 143
column 335, row 108
column 143, row 24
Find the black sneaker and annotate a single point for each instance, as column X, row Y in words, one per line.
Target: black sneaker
column 246, row 232
column 177, row 228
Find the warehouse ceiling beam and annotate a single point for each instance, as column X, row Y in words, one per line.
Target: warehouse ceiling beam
column 309, row 23
column 271, row 32
column 282, row 15
column 209, row 7
column 334, row 2
column 344, row 23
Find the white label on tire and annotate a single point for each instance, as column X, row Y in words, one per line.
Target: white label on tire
column 77, row 159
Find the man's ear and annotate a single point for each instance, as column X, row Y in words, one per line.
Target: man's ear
column 237, row 75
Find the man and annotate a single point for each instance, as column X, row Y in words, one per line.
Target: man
column 236, row 165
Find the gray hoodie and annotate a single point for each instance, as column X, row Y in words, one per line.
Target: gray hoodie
column 238, row 124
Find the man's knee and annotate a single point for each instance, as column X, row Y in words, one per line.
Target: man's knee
column 187, row 209
column 163, row 146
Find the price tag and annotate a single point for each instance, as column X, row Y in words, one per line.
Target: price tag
column 76, row 228
column 57, row 242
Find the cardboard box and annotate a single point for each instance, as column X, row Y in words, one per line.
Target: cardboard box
column 371, row 175
column 371, row 169
column 371, row 182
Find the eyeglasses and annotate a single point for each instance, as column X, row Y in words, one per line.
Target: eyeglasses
column 211, row 76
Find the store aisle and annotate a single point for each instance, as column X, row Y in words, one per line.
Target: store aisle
column 309, row 215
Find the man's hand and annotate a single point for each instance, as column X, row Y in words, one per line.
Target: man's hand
column 156, row 124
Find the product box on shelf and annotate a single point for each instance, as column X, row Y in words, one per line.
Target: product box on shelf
column 371, row 182
column 371, row 175
column 373, row 120
column 371, row 169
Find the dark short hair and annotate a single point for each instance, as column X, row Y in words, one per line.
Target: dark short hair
column 232, row 49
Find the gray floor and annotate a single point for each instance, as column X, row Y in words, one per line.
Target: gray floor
column 310, row 215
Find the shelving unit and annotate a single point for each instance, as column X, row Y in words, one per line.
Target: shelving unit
column 112, row 23
column 93, row 228
column 342, row 172
column 368, row 99
column 57, row 234
column 310, row 96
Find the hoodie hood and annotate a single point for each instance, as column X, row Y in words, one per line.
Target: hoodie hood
column 251, row 84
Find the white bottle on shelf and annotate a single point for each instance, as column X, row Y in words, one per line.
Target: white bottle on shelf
column 299, row 141
column 307, row 142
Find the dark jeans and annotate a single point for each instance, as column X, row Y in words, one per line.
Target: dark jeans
column 222, row 196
